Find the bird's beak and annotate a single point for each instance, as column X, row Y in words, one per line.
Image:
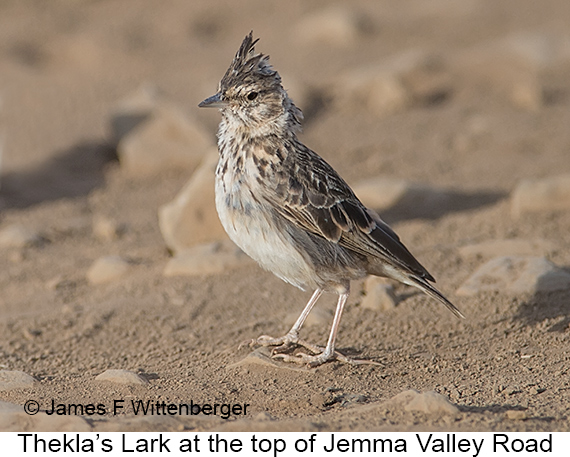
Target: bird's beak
column 215, row 101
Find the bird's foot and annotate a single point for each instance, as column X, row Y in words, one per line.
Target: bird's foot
column 283, row 343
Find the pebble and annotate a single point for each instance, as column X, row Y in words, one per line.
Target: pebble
column 167, row 140
column 430, row 403
column 516, row 415
column 507, row 247
column 206, row 259
column 318, row 317
column 15, row 380
column 107, row 269
column 133, row 110
column 334, row 26
column 14, row 419
column 191, row 218
column 106, row 229
column 413, row 77
column 17, row 236
column 516, row 275
column 514, row 65
column 379, row 294
column 382, row 193
column 121, row 377
column 538, row 195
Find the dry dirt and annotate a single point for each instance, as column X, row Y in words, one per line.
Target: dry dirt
column 64, row 64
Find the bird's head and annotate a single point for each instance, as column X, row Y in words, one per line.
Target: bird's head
column 251, row 93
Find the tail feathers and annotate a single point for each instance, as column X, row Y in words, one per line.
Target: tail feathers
column 434, row 293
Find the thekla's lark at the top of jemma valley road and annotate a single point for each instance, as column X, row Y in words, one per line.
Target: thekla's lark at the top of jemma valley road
column 288, row 209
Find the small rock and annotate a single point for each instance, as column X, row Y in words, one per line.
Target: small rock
column 206, row 259
column 107, row 269
column 430, row 403
column 379, row 294
column 395, row 84
column 547, row 194
column 106, row 229
column 516, row 415
column 133, row 110
column 15, row 380
column 318, row 317
column 121, row 377
column 165, row 141
column 516, row 275
column 508, row 247
column 336, row 26
column 17, row 236
column 514, row 65
column 383, row 193
column 191, row 218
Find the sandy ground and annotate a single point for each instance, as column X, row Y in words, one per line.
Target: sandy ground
column 64, row 64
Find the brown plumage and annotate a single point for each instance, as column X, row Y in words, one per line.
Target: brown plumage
column 289, row 209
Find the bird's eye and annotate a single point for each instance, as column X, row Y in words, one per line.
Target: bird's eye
column 252, row 95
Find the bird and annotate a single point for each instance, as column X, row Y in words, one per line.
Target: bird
column 288, row 209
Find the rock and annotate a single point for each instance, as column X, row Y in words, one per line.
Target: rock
column 516, row 415
column 546, row 194
column 262, row 356
column 516, row 275
column 121, row 377
column 191, row 218
column 206, row 259
column 106, row 229
column 14, row 419
column 508, row 247
column 107, row 269
column 336, row 26
column 318, row 317
column 165, row 141
column 514, row 65
column 17, row 236
column 430, row 403
column 410, row 78
column 15, row 380
column 379, row 294
column 383, row 193
column 133, row 110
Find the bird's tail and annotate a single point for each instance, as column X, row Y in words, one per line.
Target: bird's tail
column 426, row 287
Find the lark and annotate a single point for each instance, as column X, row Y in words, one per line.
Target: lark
column 289, row 210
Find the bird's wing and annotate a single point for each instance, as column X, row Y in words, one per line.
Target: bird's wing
column 315, row 198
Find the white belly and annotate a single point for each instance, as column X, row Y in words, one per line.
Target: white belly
column 248, row 225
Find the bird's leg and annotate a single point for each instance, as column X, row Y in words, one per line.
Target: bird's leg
column 328, row 353
column 292, row 336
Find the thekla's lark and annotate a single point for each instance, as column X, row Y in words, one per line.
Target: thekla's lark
column 288, row 209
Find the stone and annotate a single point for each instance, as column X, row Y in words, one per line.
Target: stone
column 516, row 415
column 122, row 377
column 206, row 259
column 336, row 26
column 514, row 65
column 191, row 218
column 107, row 269
column 106, row 229
column 507, row 247
column 545, row 194
column 318, row 317
column 516, row 275
column 133, row 110
column 16, row 420
column 379, row 294
column 18, row 236
column 167, row 140
column 430, row 403
column 412, row 77
column 382, row 193
column 10, row 380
